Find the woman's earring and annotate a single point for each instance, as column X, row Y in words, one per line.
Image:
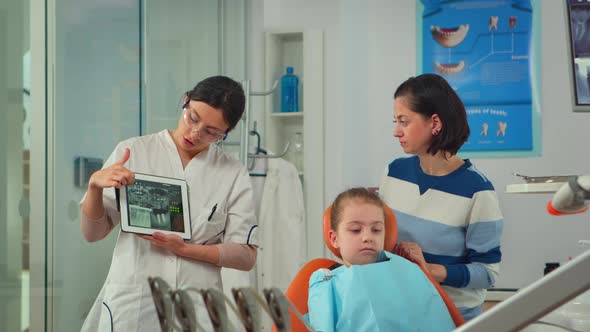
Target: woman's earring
column 435, row 132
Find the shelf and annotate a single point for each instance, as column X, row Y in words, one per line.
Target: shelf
column 287, row 115
column 304, row 51
column 537, row 188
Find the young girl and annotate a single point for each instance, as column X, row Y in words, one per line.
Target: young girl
column 447, row 211
column 374, row 290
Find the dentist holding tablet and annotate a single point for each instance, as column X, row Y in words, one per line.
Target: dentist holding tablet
column 222, row 219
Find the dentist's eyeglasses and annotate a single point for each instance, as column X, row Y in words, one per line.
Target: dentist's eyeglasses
column 205, row 134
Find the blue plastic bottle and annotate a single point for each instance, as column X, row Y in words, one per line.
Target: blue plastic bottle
column 289, row 92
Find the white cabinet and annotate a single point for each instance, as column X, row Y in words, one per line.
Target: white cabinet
column 304, row 51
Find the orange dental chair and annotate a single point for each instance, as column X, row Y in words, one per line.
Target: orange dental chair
column 297, row 292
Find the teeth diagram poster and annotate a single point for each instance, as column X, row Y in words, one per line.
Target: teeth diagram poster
column 483, row 49
column 579, row 30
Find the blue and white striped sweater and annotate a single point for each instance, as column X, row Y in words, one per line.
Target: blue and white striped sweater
column 455, row 219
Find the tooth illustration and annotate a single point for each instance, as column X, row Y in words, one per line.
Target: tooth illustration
column 501, row 129
column 449, row 68
column 493, row 23
column 579, row 19
column 484, row 129
column 449, row 37
column 512, row 22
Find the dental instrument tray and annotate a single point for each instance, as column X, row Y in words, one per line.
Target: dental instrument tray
column 545, row 179
column 538, row 184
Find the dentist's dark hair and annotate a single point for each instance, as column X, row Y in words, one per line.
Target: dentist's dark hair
column 221, row 92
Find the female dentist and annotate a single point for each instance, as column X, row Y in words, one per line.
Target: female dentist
column 221, row 208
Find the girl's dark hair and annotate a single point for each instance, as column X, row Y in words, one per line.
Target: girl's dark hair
column 430, row 94
column 362, row 194
column 223, row 93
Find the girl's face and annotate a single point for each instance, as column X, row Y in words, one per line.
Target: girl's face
column 412, row 129
column 360, row 234
column 200, row 125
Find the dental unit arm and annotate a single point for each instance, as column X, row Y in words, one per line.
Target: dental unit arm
column 533, row 302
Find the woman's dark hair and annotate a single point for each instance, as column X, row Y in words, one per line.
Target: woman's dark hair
column 430, row 94
column 362, row 194
column 223, row 93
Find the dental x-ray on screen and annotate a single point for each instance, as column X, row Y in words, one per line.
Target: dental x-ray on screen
column 155, row 204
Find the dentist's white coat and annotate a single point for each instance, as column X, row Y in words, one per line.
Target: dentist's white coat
column 125, row 303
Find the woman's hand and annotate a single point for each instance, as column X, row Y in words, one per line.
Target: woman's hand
column 115, row 175
column 411, row 251
column 170, row 242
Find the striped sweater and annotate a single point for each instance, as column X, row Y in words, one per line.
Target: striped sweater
column 456, row 220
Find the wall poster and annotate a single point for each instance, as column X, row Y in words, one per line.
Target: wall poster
column 483, row 49
column 579, row 50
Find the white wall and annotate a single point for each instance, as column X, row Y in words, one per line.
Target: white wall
column 531, row 236
column 370, row 48
column 255, row 63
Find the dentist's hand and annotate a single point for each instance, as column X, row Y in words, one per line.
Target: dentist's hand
column 115, row 175
column 171, row 242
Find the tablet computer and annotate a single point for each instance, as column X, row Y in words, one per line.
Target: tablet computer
column 155, row 204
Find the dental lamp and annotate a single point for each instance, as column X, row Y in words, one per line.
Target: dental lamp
column 571, row 198
column 553, row 290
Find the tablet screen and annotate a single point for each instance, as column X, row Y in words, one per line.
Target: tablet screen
column 156, row 204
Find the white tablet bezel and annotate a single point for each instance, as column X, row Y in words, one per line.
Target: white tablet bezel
column 125, row 222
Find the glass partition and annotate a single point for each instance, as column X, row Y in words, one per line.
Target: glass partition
column 95, row 104
column 106, row 71
column 14, row 165
column 120, row 69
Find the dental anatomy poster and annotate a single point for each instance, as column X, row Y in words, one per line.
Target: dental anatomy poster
column 579, row 30
column 483, row 49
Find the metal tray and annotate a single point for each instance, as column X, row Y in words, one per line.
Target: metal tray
column 545, row 179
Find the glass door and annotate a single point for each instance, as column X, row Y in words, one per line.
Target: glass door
column 15, row 91
column 94, row 103
column 116, row 69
